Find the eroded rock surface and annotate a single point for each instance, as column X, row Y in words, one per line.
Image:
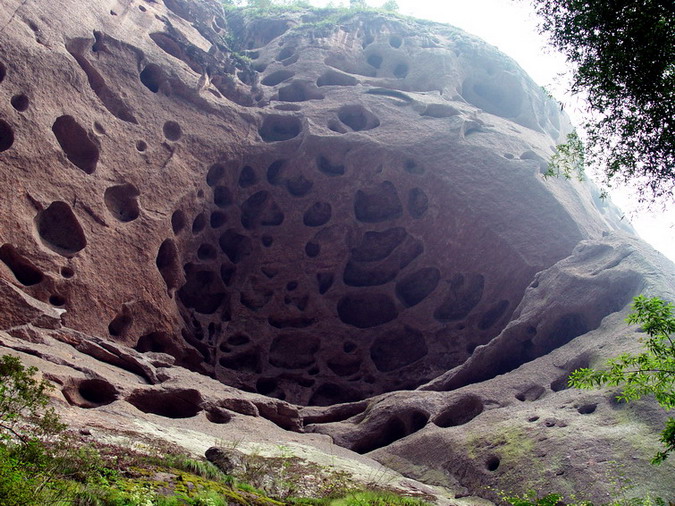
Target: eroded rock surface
column 317, row 213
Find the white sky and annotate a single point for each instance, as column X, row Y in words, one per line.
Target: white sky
column 511, row 26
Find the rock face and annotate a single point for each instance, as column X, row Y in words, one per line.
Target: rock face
column 306, row 206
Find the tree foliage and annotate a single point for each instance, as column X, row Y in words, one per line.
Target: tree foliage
column 623, row 58
column 649, row 373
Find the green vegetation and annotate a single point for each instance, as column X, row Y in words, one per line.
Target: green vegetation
column 623, row 58
column 531, row 499
column 649, row 373
column 569, row 159
column 42, row 463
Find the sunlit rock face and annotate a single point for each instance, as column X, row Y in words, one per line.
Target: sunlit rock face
column 333, row 211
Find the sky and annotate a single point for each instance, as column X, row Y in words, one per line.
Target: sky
column 511, row 26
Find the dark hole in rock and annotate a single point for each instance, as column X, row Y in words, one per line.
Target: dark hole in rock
column 20, row 102
column 172, row 131
column 291, row 285
column 207, row 252
column 312, row 249
column 202, row 291
column 325, row 281
column 57, row 300
column 90, row 393
column 279, row 128
column 299, row 186
column 218, row 415
column 334, row 78
column 267, row 240
column 493, row 314
column 183, row 403
column 238, row 340
column 317, row 215
column 235, row 245
column 412, row 167
column 356, row 274
column 416, row 287
column 374, row 60
column 247, row 177
column 330, row 393
column 533, row 419
column 260, row 209
column 75, row 142
column 199, row 223
column 358, row 118
column 531, row 393
column 285, row 53
column 120, row 325
column 222, row 197
column 227, row 273
column 178, row 221
column 6, row 136
column 275, row 172
column 121, row 201
column 587, row 409
column 393, row 430
column 328, row 168
column 401, row 70
column 277, row 77
column 440, row 111
column 67, row 272
column 142, row 8
column 156, row 342
column 59, row 229
column 23, row 269
column 299, row 91
column 418, row 203
column 365, row 310
column 215, row 174
column 349, row 347
column 99, row 129
column 152, row 77
column 141, row 146
column 266, row 386
column 344, row 366
column 464, row 293
column 460, row 411
column 375, row 246
column 395, row 41
column 3, row 71
column 167, row 44
column 247, row 361
column 217, row 219
column 379, row 203
column 492, row 463
column 398, row 348
column 294, row 351
column 97, row 391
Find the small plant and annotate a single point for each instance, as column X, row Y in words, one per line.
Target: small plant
column 649, row 373
column 569, row 159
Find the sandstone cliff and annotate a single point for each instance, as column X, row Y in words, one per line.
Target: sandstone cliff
column 315, row 213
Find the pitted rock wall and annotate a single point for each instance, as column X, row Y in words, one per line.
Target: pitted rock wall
column 315, row 213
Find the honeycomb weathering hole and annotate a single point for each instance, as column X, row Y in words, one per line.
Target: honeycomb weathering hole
column 59, row 229
column 22, row 268
column 170, row 403
column 280, row 128
column 358, row 118
column 76, row 144
column 122, row 202
column 6, row 136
